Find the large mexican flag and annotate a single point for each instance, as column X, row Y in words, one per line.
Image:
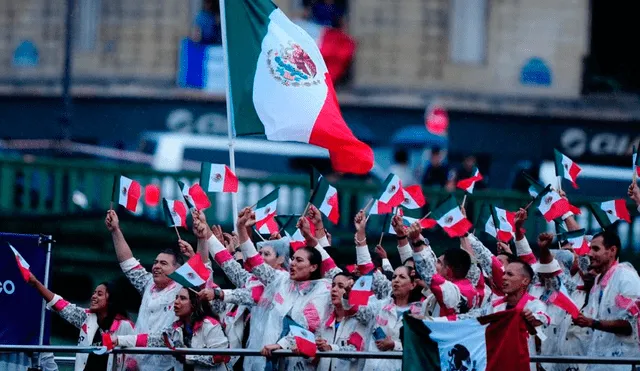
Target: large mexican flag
column 494, row 343
column 280, row 85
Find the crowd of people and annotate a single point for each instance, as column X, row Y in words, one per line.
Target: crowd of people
column 276, row 286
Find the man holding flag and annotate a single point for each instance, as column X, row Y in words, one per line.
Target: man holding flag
column 158, row 292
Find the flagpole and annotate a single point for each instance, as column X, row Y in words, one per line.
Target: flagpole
column 178, row 233
column 230, row 118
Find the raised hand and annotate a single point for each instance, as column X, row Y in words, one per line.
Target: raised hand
column 504, row 247
column 200, row 227
column 382, row 253
column 305, row 228
column 217, row 231
column 545, row 239
column 521, row 217
column 360, row 221
column 316, row 217
column 185, row 248
column 415, row 232
column 398, row 225
column 111, row 221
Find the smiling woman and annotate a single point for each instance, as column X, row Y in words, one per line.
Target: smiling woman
column 106, row 315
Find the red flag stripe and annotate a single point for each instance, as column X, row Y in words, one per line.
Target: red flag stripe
column 330, row 131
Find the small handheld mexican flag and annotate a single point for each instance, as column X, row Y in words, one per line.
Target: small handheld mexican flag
column 450, row 218
column 266, row 212
column 392, row 195
column 535, row 187
column 486, row 222
column 506, row 222
column 425, row 223
column 566, row 168
column 288, row 223
column 609, row 212
column 551, row 205
column 175, row 213
column 468, row 184
column 578, row 241
column 191, row 274
column 305, row 340
column 562, row 300
column 126, row 192
column 361, row 291
column 22, row 264
column 325, row 198
column 194, row 196
column 413, row 197
column 218, row 178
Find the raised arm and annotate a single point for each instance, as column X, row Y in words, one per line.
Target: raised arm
column 328, row 267
column 404, row 249
column 381, row 286
column 69, row 312
column 446, row 292
column 212, row 244
column 265, row 273
column 135, row 272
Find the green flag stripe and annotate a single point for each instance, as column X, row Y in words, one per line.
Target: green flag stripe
column 320, row 192
column 266, row 200
column 180, row 280
column 205, row 176
column 448, row 205
column 247, row 22
column 420, row 352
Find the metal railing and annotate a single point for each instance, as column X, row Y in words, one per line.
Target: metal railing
column 279, row 354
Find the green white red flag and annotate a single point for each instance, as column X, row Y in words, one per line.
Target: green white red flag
column 506, row 222
column 126, row 192
column 280, row 85
column 23, row 266
column 266, row 211
column 468, row 184
column 194, row 196
column 566, row 168
column 450, row 218
column 361, row 291
column 288, row 224
column 609, row 212
column 413, row 197
column 578, row 241
column 425, row 223
column 392, row 195
column 495, row 342
column 325, row 198
column 486, row 222
column 191, row 274
column 175, row 213
column 218, row 178
column 551, row 205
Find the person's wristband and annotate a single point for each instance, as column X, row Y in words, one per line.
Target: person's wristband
column 419, row 243
column 401, row 237
column 595, row 325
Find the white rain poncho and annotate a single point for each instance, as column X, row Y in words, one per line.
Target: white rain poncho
column 306, row 302
column 613, row 297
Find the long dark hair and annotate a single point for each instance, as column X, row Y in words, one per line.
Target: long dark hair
column 115, row 305
column 200, row 308
column 314, row 259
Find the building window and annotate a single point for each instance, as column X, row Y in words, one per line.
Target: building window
column 468, row 31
